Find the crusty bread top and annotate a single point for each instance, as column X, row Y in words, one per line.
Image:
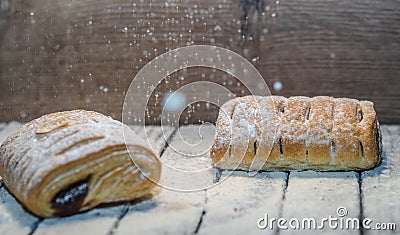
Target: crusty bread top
column 58, row 139
column 296, row 125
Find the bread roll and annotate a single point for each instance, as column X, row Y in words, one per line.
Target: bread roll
column 67, row 162
column 297, row 133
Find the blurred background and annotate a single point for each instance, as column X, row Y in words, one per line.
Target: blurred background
column 66, row 54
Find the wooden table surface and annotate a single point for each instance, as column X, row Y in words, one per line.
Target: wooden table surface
column 235, row 205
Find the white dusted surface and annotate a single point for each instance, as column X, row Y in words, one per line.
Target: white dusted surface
column 232, row 206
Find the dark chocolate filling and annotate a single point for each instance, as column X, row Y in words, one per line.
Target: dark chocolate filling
column 70, row 199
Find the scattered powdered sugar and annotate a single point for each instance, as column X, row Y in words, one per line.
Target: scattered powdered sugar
column 31, row 156
column 252, row 131
column 329, row 120
column 241, row 106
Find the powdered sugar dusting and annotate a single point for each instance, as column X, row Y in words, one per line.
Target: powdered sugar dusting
column 301, row 122
column 52, row 151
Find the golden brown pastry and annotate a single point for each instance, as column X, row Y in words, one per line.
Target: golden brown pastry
column 297, row 133
column 67, row 162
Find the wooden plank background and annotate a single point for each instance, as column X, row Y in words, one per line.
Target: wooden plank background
column 65, row 54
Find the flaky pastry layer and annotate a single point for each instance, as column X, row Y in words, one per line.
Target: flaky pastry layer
column 297, row 133
column 67, row 162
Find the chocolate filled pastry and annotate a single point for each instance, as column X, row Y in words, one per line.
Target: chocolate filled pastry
column 297, row 133
column 67, row 162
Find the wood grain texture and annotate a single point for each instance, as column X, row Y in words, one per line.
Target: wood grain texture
column 381, row 186
column 14, row 219
column 96, row 221
column 240, row 200
column 319, row 194
column 174, row 211
column 62, row 55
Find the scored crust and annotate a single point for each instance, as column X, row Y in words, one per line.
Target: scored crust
column 296, row 133
column 66, row 162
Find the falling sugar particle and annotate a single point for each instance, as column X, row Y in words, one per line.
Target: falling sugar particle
column 332, row 55
column 82, row 81
column 32, row 13
column 273, row 14
column 277, row 86
column 105, row 89
column 125, row 29
column 217, row 28
column 255, row 59
column 90, row 22
column 23, row 114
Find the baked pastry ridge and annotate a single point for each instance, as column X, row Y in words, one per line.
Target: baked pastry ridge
column 297, row 133
column 67, row 162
